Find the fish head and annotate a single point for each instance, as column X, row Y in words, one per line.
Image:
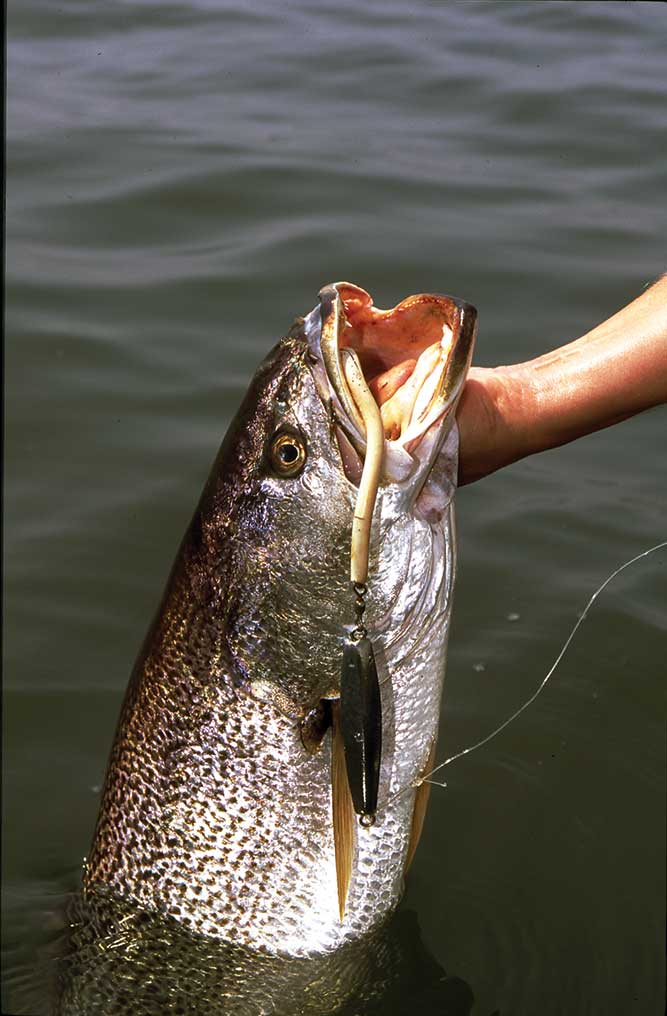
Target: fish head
column 282, row 492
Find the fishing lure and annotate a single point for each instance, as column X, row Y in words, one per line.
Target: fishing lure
column 360, row 703
column 357, row 727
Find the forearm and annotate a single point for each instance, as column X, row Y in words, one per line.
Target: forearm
column 614, row 371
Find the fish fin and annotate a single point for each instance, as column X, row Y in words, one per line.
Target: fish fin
column 343, row 812
column 419, row 810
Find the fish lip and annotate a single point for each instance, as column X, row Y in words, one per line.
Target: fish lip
column 458, row 315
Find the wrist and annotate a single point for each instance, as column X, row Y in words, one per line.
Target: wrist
column 495, row 420
column 527, row 406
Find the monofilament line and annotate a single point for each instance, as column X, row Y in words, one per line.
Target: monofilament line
column 506, row 723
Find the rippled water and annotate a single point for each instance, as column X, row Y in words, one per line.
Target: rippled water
column 182, row 179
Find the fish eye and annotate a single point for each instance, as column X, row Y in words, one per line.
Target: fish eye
column 288, row 453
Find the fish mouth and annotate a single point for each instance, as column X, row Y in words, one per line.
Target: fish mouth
column 414, row 359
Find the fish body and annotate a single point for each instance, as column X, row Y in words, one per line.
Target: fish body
column 216, row 812
column 126, row 961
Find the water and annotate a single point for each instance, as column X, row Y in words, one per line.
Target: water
column 182, row 179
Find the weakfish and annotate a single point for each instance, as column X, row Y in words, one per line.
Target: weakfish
column 264, row 792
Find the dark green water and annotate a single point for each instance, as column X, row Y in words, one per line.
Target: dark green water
column 182, row 179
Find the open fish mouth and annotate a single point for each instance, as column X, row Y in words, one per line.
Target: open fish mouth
column 414, row 359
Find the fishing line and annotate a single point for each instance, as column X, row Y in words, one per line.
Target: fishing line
column 505, row 723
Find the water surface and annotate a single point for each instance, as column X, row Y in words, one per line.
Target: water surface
column 182, row 179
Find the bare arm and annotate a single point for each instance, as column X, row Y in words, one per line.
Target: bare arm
column 614, row 371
